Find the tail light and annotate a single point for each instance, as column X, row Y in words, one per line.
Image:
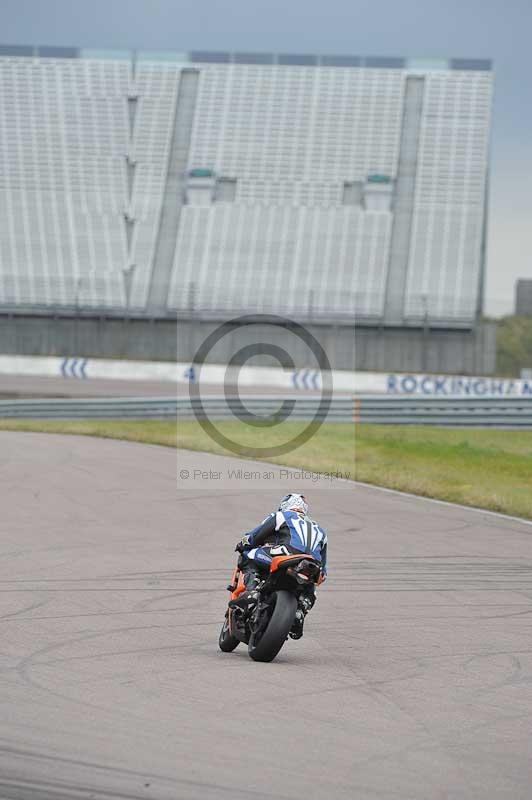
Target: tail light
column 305, row 571
column 309, row 568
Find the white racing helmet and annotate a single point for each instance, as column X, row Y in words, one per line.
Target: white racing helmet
column 294, row 502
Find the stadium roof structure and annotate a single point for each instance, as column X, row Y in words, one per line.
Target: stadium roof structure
column 225, row 57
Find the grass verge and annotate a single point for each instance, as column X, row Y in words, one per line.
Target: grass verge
column 488, row 468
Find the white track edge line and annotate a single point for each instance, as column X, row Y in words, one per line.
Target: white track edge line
column 364, row 485
column 498, row 514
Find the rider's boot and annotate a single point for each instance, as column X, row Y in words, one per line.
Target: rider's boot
column 305, row 604
column 245, row 600
column 296, row 631
column 249, row 596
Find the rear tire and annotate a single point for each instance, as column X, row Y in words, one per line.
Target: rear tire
column 275, row 634
column 226, row 641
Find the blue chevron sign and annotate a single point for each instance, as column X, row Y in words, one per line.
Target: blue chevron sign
column 74, row 368
column 306, row 379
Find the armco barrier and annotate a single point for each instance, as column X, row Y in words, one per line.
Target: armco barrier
column 497, row 412
column 500, row 412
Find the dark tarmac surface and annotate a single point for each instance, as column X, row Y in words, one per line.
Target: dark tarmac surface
column 13, row 386
column 26, row 386
column 413, row 680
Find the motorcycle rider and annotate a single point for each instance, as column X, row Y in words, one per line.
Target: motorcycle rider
column 287, row 530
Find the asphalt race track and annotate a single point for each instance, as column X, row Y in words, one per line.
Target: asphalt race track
column 19, row 386
column 34, row 386
column 413, row 680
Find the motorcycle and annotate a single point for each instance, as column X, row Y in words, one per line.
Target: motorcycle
column 283, row 596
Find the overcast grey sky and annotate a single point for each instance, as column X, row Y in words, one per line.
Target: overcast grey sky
column 497, row 29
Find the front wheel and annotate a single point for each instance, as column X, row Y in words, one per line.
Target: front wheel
column 274, row 636
column 226, row 641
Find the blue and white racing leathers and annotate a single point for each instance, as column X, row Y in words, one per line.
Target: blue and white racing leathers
column 281, row 533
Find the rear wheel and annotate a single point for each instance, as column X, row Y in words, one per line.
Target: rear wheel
column 265, row 645
column 227, row 642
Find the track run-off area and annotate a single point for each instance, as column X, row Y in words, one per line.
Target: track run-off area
column 413, row 680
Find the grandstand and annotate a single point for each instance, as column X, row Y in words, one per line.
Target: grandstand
column 203, row 185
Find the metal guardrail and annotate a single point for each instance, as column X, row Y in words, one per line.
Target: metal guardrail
column 501, row 412
column 90, row 408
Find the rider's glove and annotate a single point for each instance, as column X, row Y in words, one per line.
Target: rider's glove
column 242, row 544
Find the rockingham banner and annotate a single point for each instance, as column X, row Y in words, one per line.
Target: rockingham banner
column 300, row 380
column 456, row 386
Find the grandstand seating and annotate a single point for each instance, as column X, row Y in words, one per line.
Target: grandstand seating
column 64, row 139
column 156, row 85
column 286, row 259
column 448, row 220
column 292, row 136
column 294, row 165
